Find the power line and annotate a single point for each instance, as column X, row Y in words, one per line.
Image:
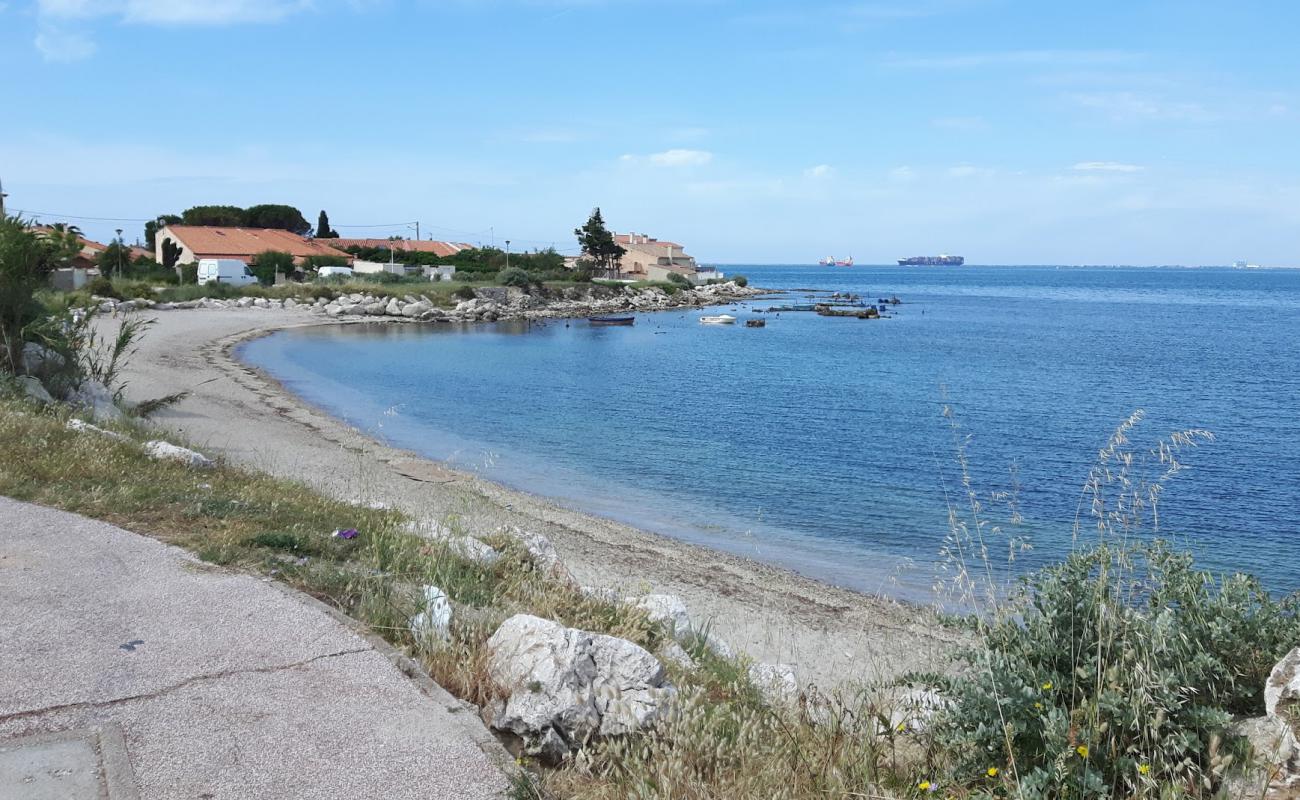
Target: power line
column 75, row 216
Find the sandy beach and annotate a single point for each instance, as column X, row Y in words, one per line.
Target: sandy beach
column 832, row 636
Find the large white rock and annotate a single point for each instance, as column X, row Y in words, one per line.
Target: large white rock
column 566, row 685
column 79, row 426
column 1282, row 693
column 41, row 360
column 394, row 308
column 542, row 552
column 665, row 609
column 34, row 389
column 432, row 626
column 165, row 451
column 775, row 682
column 461, row 545
column 415, row 309
column 96, row 398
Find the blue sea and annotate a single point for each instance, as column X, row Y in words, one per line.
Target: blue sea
column 820, row 444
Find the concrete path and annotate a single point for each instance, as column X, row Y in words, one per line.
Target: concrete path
column 130, row 669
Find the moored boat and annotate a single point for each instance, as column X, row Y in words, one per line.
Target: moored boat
column 611, row 320
column 719, row 319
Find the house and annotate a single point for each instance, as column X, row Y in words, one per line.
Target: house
column 87, row 257
column 649, row 259
column 201, row 241
column 440, row 249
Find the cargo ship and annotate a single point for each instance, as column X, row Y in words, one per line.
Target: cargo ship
column 932, row 261
column 831, row 261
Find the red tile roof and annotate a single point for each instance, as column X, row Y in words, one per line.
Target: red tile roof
column 214, row 242
column 414, row 245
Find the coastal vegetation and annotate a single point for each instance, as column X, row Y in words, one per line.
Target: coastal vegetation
column 599, row 249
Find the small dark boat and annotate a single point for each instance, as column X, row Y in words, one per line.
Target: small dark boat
column 612, row 320
column 755, row 323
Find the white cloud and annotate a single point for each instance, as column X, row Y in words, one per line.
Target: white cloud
column 819, row 171
column 63, row 46
column 677, row 157
column 1106, row 166
column 902, row 174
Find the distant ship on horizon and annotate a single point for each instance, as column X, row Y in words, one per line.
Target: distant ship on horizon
column 831, row 261
column 932, row 261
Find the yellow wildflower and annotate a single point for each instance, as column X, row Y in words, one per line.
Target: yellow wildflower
column 1082, row 750
column 992, row 772
column 1144, row 769
column 902, row 727
column 1047, row 687
column 1038, row 706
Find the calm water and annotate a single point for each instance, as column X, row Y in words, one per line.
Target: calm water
column 819, row 443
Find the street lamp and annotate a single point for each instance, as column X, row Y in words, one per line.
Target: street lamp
column 119, row 252
column 507, row 254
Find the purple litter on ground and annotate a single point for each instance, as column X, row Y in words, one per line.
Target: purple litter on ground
column 346, row 533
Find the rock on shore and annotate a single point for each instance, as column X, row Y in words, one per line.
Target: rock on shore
column 491, row 303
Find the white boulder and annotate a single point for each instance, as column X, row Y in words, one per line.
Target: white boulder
column 566, row 685
column 775, row 682
column 432, row 626
column 1282, row 694
column 461, row 545
column 665, row 609
column 34, row 389
column 541, row 551
column 165, row 451
column 96, row 398
column 79, row 426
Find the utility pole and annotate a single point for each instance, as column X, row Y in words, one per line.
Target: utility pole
column 2, row 199
column 119, row 252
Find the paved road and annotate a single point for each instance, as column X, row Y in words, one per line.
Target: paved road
column 130, row 667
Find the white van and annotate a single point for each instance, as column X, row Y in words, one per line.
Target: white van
column 330, row 272
column 225, row 270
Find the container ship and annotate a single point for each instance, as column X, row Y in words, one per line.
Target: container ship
column 932, row 261
column 832, row 261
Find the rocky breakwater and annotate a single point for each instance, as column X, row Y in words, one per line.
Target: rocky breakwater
column 489, row 304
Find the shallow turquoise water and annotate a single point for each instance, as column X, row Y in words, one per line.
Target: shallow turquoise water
column 819, row 444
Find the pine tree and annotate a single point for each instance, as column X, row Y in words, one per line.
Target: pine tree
column 598, row 243
column 323, row 230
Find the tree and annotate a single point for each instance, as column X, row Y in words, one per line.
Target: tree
column 171, row 253
column 598, row 243
column 26, row 259
column 114, row 259
column 285, row 218
column 323, row 230
column 221, row 216
column 64, row 241
column 265, row 265
column 156, row 224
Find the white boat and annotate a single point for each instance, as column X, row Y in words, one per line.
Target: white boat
column 720, row 319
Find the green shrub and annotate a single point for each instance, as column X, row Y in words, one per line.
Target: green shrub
column 679, row 279
column 740, row 280
column 514, row 276
column 189, row 274
column 465, row 293
column 1115, row 672
column 266, row 265
column 102, row 287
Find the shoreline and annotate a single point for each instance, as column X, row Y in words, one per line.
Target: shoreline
column 833, row 636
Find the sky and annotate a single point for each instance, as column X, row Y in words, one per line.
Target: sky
column 751, row 131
